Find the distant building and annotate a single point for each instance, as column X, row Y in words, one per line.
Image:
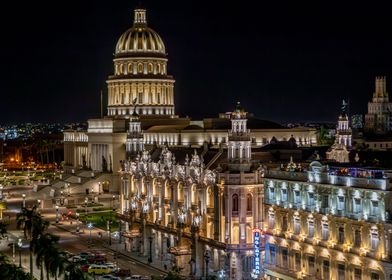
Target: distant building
column 378, row 119
column 339, row 150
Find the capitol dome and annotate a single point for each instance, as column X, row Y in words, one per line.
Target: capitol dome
column 140, row 38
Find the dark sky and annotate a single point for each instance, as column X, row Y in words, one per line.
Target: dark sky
column 284, row 62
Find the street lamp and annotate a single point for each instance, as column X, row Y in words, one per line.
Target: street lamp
column 24, row 200
column 85, row 204
column 20, row 251
column 77, row 222
column 90, row 227
column 61, row 198
column 39, row 204
column 57, row 214
column 116, row 235
column 194, row 231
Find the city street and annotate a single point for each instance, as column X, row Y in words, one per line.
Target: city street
column 72, row 242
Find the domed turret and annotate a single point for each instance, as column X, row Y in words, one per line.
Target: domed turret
column 140, row 38
column 140, row 73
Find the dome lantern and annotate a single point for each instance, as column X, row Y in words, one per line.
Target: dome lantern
column 140, row 17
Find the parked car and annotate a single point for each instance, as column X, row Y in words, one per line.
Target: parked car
column 113, row 268
column 98, row 269
column 85, row 255
column 75, row 259
column 134, row 277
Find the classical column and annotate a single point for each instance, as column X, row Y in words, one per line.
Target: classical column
column 218, row 193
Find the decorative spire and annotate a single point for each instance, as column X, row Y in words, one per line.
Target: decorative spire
column 140, row 17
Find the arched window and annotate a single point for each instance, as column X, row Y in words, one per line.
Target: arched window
column 159, row 68
column 140, row 68
column 130, row 68
column 235, row 203
column 149, row 68
column 121, row 69
column 249, row 202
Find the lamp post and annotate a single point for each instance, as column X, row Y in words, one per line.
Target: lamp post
column 85, row 204
column 61, row 198
column 90, row 227
column 77, row 222
column 24, row 200
column 57, row 214
column 20, row 251
column 207, row 260
column 116, row 235
column 39, row 204
column 145, row 210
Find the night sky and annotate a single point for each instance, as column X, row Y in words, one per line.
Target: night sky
column 284, row 62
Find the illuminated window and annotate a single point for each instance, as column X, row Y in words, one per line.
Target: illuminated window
column 357, row 207
column 297, row 225
column 325, row 232
column 130, row 68
column 374, row 240
column 149, row 68
column 271, row 221
column 340, row 203
column 158, row 68
column 140, row 68
column 297, row 198
column 310, row 198
column 284, row 195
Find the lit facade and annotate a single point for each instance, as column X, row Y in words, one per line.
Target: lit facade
column 204, row 219
column 327, row 223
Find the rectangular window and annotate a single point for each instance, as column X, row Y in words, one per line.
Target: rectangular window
column 374, row 241
column 357, row 205
column 272, row 254
column 326, row 270
column 271, row 193
column 310, row 199
column 374, row 276
column 341, row 272
column 324, row 201
column 297, row 226
column 357, row 238
column 311, row 265
column 284, row 224
column 374, row 207
column 296, row 197
column 357, row 274
column 325, row 233
column 310, row 229
column 298, row 261
column 271, row 221
column 340, row 203
column 341, row 235
column 285, row 258
column 284, row 195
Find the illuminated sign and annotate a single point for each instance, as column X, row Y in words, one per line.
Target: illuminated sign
column 257, row 242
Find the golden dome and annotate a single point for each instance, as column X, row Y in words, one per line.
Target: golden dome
column 140, row 38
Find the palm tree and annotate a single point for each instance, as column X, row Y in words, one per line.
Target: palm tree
column 73, row 271
column 57, row 265
column 10, row 271
column 46, row 251
column 33, row 226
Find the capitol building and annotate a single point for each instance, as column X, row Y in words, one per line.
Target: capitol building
column 199, row 196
